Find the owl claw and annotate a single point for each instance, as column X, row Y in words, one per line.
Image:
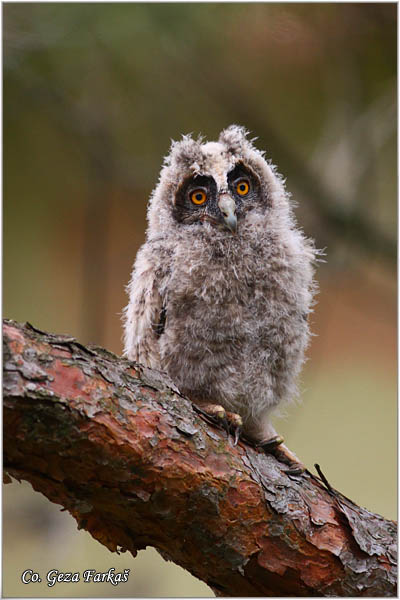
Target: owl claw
column 237, row 432
column 286, row 456
column 272, row 443
column 215, row 414
column 231, row 422
column 277, row 448
column 235, row 426
column 225, row 424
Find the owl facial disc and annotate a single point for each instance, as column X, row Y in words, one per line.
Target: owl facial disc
column 227, row 207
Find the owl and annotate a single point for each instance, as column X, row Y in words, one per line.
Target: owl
column 222, row 289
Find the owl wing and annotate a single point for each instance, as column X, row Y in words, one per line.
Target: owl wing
column 145, row 315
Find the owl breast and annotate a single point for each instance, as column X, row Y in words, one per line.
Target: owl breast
column 234, row 327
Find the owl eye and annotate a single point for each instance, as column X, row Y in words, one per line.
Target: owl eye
column 198, row 197
column 242, row 187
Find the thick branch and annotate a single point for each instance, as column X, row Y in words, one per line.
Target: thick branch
column 135, row 465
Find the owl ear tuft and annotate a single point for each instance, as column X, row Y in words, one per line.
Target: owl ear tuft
column 234, row 138
column 186, row 152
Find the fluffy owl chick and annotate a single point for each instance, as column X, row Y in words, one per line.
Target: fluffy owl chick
column 222, row 288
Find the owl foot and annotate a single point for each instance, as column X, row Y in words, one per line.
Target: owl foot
column 231, row 422
column 283, row 454
column 276, row 447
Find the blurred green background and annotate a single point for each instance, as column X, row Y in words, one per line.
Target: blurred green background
column 93, row 94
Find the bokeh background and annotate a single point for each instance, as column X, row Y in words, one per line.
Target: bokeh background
column 93, row 94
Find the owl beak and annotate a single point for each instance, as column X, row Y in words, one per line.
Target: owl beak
column 227, row 207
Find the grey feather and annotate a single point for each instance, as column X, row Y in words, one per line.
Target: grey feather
column 224, row 314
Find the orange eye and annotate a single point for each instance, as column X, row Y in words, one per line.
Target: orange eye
column 198, row 197
column 242, row 187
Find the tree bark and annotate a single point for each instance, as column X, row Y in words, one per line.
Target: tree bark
column 136, row 466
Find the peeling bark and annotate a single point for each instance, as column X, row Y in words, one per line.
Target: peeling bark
column 136, row 466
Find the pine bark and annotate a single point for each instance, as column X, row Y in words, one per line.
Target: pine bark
column 136, row 466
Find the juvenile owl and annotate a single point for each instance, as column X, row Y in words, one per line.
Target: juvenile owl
column 222, row 288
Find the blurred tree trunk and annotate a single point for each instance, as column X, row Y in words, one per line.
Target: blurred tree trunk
column 135, row 465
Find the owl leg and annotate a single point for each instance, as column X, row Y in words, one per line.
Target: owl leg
column 231, row 422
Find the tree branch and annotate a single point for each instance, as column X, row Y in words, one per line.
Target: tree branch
column 135, row 465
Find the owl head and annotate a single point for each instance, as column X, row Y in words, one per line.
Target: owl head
column 216, row 185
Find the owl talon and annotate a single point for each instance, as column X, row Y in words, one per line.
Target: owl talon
column 215, row 411
column 271, row 444
column 237, row 433
column 216, row 414
column 286, row 456
column 235, row 426
column 225, row 424
column 295, row 469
